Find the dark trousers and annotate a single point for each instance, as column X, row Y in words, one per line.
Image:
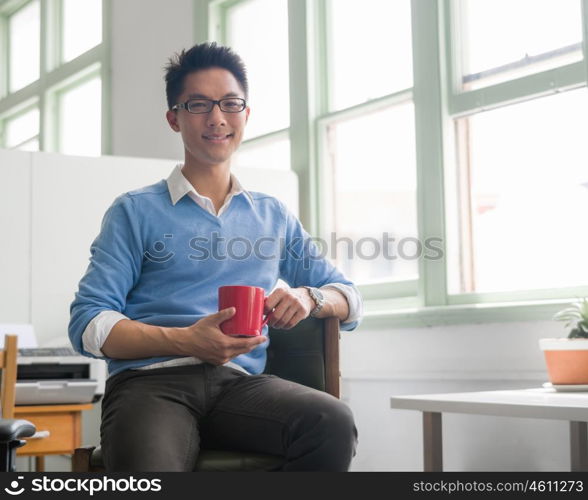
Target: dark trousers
column 157, row 420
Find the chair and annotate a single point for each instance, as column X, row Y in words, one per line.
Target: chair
column 11, row 430
column 307, row 354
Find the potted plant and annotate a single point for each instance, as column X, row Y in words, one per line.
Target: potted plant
column 567, row 358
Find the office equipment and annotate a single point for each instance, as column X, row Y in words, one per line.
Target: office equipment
column 47, row 352
column 53, row 375
column 57, row 376
column 528, row 403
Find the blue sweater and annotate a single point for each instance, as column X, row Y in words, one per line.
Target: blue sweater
column 162, row 264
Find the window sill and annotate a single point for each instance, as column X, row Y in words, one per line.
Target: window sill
column 388, row 313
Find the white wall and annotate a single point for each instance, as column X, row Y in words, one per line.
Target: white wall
column 15, row 239
column 145, row 33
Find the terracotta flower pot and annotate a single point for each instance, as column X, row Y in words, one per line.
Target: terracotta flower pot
column 566, row 359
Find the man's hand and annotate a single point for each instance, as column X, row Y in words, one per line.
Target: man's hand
column 205, row 340
column 288, row 306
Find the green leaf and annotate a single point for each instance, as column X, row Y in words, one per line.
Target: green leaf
column 566, row 315
column 583, row 308
column 577, row 310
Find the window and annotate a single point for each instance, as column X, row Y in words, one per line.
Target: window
column 502, row 40
column 527, row 191
column 21, row 131
column 454, row 126
column 518, row 185
column 369, row 50
column 374, row 202
column 79, row 112
column 276, row 154
column 24, row 34
column 266, row 54
column 46, row 88
column 369, row 141
column 82, row 27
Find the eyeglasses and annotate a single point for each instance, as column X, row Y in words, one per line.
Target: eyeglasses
column 227, row 105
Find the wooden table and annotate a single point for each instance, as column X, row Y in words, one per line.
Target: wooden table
column 64, row 423
column 526, row 403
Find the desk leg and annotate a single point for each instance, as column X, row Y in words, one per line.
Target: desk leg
column 40, row 464
column 579, row 446
column 432, row 442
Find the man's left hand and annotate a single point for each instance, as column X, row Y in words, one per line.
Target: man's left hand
column 287, row 307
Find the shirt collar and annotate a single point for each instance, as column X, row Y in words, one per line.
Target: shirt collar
column 179, row 187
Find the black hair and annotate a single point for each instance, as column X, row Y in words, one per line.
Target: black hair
column 202, row 56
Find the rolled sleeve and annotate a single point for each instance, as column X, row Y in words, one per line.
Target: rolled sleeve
column 353, row 300
column 98, row 330
column 115, row 266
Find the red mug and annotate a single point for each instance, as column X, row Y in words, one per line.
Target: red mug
column 248, row 302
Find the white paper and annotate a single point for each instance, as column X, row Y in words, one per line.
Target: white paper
column 25, row 332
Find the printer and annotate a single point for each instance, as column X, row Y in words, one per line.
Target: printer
column 58, row 375
column 53, row 373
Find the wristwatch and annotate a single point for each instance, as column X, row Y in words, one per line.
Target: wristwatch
column 318, row 297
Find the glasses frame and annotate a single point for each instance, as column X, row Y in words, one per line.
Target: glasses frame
column 184, row 105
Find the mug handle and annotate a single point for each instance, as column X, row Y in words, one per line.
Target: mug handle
column 265, row 320
column 267, row 316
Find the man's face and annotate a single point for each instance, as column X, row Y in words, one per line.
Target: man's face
column 209, row 138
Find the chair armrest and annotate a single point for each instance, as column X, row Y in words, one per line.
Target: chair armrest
column 13, row 429
column 331, row 345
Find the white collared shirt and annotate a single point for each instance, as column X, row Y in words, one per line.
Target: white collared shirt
column 179, row 187
column 100, row 326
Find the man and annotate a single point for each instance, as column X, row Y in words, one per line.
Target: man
column 148, row 299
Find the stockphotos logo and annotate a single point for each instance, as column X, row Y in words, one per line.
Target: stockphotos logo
column 91, row 486
column 15, row 488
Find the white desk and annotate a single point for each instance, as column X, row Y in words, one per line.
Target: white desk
column 526, row 403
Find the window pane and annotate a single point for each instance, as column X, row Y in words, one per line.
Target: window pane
column 32, row 145
column 25, row 34
column 371, row 49
column 82, row 26
column 273, row 155
column 373, row 169
column 80, row 114
column 529, row 196
column 265, row 53
column 502, row 39
column 21, row 128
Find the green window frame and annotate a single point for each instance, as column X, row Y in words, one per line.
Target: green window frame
column 55, row 76
column 424, row 302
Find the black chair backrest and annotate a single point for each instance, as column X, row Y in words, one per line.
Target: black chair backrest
column 298, row 354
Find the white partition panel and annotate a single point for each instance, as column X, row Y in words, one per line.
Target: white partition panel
column 15, row 236
column 69, row 197
column 51, row 207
